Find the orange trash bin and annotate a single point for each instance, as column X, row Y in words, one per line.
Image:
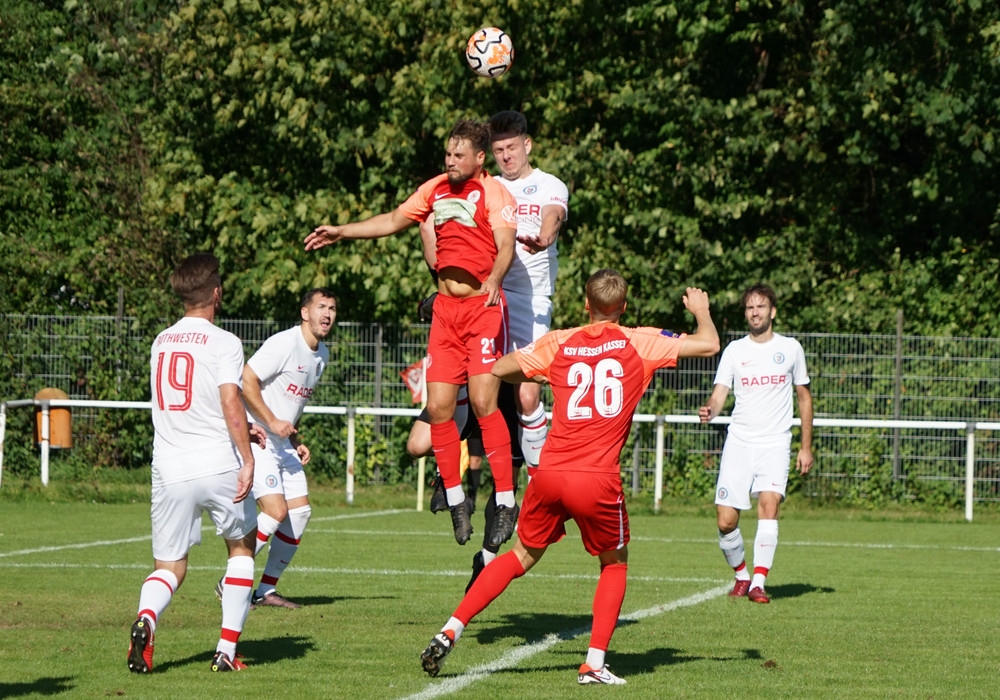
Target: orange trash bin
column 60, row 420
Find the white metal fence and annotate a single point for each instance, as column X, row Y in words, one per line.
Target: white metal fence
column 892, row 411
column 966, row 431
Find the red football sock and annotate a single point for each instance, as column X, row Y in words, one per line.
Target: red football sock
column 496, row 443
column 448, row 451
column 493, row 580
column 607, row 603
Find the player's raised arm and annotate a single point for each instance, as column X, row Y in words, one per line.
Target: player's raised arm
column 377, row 226
column 704, row 342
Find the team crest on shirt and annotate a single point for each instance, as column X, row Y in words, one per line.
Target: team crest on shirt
column 474, row 196
column 779, row 358
column 723, row 494
column 271, row 481
column 531, row 189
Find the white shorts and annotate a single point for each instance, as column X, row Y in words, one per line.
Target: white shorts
column 176, row 513
column 278, row 470
column 747, row 469
column 530, row 318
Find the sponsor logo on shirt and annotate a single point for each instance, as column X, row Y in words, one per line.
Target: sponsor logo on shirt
column 594, row 351
column 670, row 334
column 765, row 380
column 296, row 390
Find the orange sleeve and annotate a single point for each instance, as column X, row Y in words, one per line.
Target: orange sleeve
column 501, row 207
column 417, row 206
column 536, row 358
column 657, row 348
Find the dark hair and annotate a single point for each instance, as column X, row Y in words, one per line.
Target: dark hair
column 508, row 123
column 308, row 297
column 606, row 291
column 196, row 278
column 761, row 290
column 476, row 133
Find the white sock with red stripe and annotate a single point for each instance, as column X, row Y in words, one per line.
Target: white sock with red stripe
column 237, row 584
column 266, row 526
column 532, row 430
column 732, row 548
column 155, row 595
column 763, row 550
column 284, row 544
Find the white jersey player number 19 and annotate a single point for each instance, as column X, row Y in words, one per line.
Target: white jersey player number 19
column 182, row 380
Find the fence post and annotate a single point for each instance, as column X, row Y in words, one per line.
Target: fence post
column 3, row 432
column 970, row 467
column 897, row 399
column 349, row 488
column 658, row 493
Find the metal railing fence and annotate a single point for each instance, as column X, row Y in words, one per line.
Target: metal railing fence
column 869, row 378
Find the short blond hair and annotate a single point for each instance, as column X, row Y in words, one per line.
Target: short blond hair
column 606, row 291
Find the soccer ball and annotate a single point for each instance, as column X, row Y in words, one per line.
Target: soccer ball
column 489, row 52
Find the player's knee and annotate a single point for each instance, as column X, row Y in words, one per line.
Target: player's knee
column 417, row 446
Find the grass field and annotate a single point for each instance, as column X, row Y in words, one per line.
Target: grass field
column 862, row 608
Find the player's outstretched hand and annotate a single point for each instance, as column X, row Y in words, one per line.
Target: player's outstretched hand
column 323, row 236
column 695, row 300
column 532, row 244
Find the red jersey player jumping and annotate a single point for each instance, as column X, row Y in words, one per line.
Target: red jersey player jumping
column 475, row 223
column 597, row 373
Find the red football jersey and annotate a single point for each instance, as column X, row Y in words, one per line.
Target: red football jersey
column 464, row 220
column 597, row 374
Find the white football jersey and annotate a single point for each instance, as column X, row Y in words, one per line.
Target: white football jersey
column 534, row 273
column 289, row 371
column 188, row 363
column 762, row 377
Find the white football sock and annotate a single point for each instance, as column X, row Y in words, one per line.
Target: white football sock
column 532, row 430
column 733, row 549
column 764, row 545
column 155, row 595
column 595, row 658
column 238, row 583
column 266, row 526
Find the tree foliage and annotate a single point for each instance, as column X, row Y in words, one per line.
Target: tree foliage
column 841, row 150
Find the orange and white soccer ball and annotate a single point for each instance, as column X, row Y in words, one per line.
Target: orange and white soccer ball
column 489, row 52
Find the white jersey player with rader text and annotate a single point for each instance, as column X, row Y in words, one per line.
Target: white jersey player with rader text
column 289, row 371
column 762, row 377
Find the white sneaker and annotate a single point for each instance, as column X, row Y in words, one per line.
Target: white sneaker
column 601, row 676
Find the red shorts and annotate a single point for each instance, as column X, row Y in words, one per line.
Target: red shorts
column 593, row 499
column 466, row 338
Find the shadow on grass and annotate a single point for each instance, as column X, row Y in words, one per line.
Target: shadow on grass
column 794, row 590
column 43, row 686
column 253, row 652
column 310, row 601
column 534, row 627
